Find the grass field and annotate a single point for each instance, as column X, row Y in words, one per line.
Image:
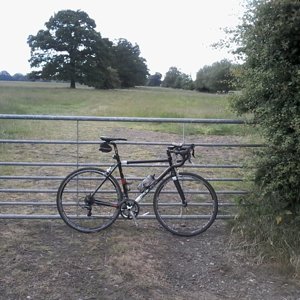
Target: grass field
column 54, row 98
column 58, row 99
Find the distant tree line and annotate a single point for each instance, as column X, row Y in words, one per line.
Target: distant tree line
column 4, row 75
column 219, row 77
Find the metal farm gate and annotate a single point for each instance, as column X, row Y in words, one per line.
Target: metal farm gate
column 38, row 151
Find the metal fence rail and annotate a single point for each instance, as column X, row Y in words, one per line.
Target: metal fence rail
column 32, row 184
column 120, row 119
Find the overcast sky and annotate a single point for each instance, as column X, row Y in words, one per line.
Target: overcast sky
column 169, row 32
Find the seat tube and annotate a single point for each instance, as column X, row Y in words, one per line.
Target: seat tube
column 123, row 180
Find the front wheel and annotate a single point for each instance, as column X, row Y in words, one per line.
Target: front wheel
column 88, row 200
column 185, row 220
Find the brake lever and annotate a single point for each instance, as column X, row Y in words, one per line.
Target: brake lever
column 190, row 160
column 193, row 154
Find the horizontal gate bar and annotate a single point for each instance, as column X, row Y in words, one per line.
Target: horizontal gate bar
column 51, row 191
column 53, row 164
column 41, row 203
column 120, row 119
column 57, row 217
column 45, row 178
column 63, row 142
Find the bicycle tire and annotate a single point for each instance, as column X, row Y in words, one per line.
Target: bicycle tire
column 201, row 209
column 71, row 203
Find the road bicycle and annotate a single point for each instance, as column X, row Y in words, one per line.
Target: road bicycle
column 91, row 199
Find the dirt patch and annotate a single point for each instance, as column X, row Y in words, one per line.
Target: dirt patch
column 47, row 260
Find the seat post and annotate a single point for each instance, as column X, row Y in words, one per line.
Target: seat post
column 116, row 156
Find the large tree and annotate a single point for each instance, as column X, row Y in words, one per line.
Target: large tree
column 131, row 67
column 214, row 78
column 154, row 80
column 171, row 77
column 69, row 49
column 4, row 75
column 174, row 78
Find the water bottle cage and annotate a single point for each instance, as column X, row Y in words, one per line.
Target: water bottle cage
column 146, row 183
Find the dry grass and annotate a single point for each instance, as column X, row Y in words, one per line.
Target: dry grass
column 120, row 263
column 47, row 260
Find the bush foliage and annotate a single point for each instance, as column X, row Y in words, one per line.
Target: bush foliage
column 215, row 78
column 269, row 41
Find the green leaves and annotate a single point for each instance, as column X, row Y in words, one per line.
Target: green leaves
column 132, row 68
column 70, row 49
column 270, row 41
column 214, row 78
column 176, row 79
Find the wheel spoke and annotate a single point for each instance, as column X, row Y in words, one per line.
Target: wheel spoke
column 200, row 211
column 78, row 200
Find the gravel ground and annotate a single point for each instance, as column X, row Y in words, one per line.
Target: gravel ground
column 48, row 260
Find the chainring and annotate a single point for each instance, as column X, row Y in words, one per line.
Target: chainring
column 129, row 209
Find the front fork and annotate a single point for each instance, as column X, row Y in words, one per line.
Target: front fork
column 174, row 174
column 179, row 188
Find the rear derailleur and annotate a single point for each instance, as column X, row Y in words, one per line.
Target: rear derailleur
column 88, row 202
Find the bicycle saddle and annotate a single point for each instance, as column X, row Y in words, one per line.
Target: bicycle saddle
column 111, row 139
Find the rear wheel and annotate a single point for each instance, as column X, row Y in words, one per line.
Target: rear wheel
column 192, row 219
column 88, row 200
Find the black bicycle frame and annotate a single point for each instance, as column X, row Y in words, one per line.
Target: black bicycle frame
column 170, row 169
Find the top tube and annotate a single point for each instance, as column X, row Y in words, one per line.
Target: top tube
column 184, row 150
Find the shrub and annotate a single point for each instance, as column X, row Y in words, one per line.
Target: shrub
column 269, row 40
